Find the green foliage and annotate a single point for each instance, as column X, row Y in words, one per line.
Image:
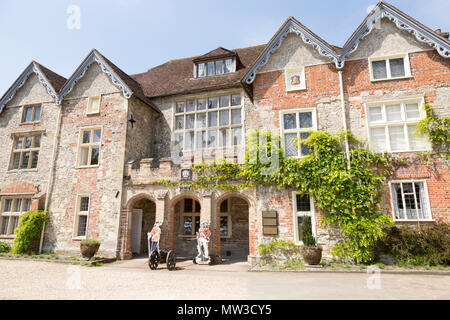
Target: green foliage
column 437, row 129
column 418, row 246
column 307, row 236
column 90, row 241
column 4, row 247
column 278, row 249
column 28, row 231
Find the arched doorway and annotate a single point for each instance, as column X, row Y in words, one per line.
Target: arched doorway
column 186, row 224
column 142, row 220
column 234, row 229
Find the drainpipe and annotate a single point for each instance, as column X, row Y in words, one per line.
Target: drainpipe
column 344, row 118
column 52, row 172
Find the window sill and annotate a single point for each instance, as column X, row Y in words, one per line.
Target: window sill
column 30, row 123
column 7, row 237
column 93, row 114
column 87, row 167
column 22, row 170
column 390, row 79
column 78, row 238
column 405, row 151
column 414, row 220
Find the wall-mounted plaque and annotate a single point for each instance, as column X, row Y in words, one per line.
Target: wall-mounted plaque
column 295, row 79
column 270, row 223
column 186, row 174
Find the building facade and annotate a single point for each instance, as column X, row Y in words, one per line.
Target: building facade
column 94, row 149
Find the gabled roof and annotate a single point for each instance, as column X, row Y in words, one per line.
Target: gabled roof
column 176, row 76
column 338, row 55
column 218, row 53
column 120, row 79
column 49, row 79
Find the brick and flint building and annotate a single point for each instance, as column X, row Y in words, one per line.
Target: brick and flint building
column 89, row 148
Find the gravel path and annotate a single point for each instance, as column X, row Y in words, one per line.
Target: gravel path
column 46, row 280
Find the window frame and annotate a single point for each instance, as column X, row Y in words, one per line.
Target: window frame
column 228, row 215
column 297, row 130
column 207, row 129
column 79, row 213
column 12, row 214
column 33, row 114
column 89, row 145
column 296, row 214
column 427, row 203
column 192, row 214
column 31, row 150
column 90, row 103
column 205, row 63
column 406, row 65
column 383, row 123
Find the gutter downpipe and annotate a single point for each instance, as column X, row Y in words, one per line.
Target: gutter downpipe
column 52, row 173
column 344, row 118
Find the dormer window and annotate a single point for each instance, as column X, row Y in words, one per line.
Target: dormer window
column 215, row 63
column 215, row 68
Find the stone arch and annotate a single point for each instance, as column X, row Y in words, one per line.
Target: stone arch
column 132, row 201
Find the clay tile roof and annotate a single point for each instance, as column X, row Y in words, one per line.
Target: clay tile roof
column 220, row 52
column 55, row 79
column 176, row 76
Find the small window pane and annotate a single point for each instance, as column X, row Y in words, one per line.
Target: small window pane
column 28, row 142
column 224, row 206
column 290, row 143
column 397, row 138
column 212, row 119
column 19, row 144
column 236, row 100
column 27, row 205
column 378, row 139
column 416, row 142
column 379, row 69
column 224, row 117
column 303, row 203
column 84, row 156
column 201, row 120
column 97, row 135
column 219, row 67
column 197, row 206
column 201, row 104
column 290, row 121
column 197, row 223
column 228, row 65
column 15, row 223
column 212, row 138
column 187, row 225
column 190, row 106
column 190, row 121
column 28, row 114
column 190, row 140
column 236, row 136
column 299, row 228
column 25, row 159
column 201, row 139
column 212, row 103
column 178, row 141
column 393, row 113
column 397, row 67
column 188, row 205
column 34, row 159
column 179, row 122
column 5, row 222
column 95, row 155
column 210, row 68
column 201, row 69
column 18, row 207
column 224, row 226
column 37, row 141
column 8, row 205
column 303, row 147
column 412, row 111
column 375, row 114
column 224, row 101
column 180, row 107
column 84, row 204
column 236, row 116
column 87, row 136
column 37, row 113
column 16, row 160
column 305, row 119
column 82, row 224
column 223, row 135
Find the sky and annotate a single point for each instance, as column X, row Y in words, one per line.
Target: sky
column 140, row 34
